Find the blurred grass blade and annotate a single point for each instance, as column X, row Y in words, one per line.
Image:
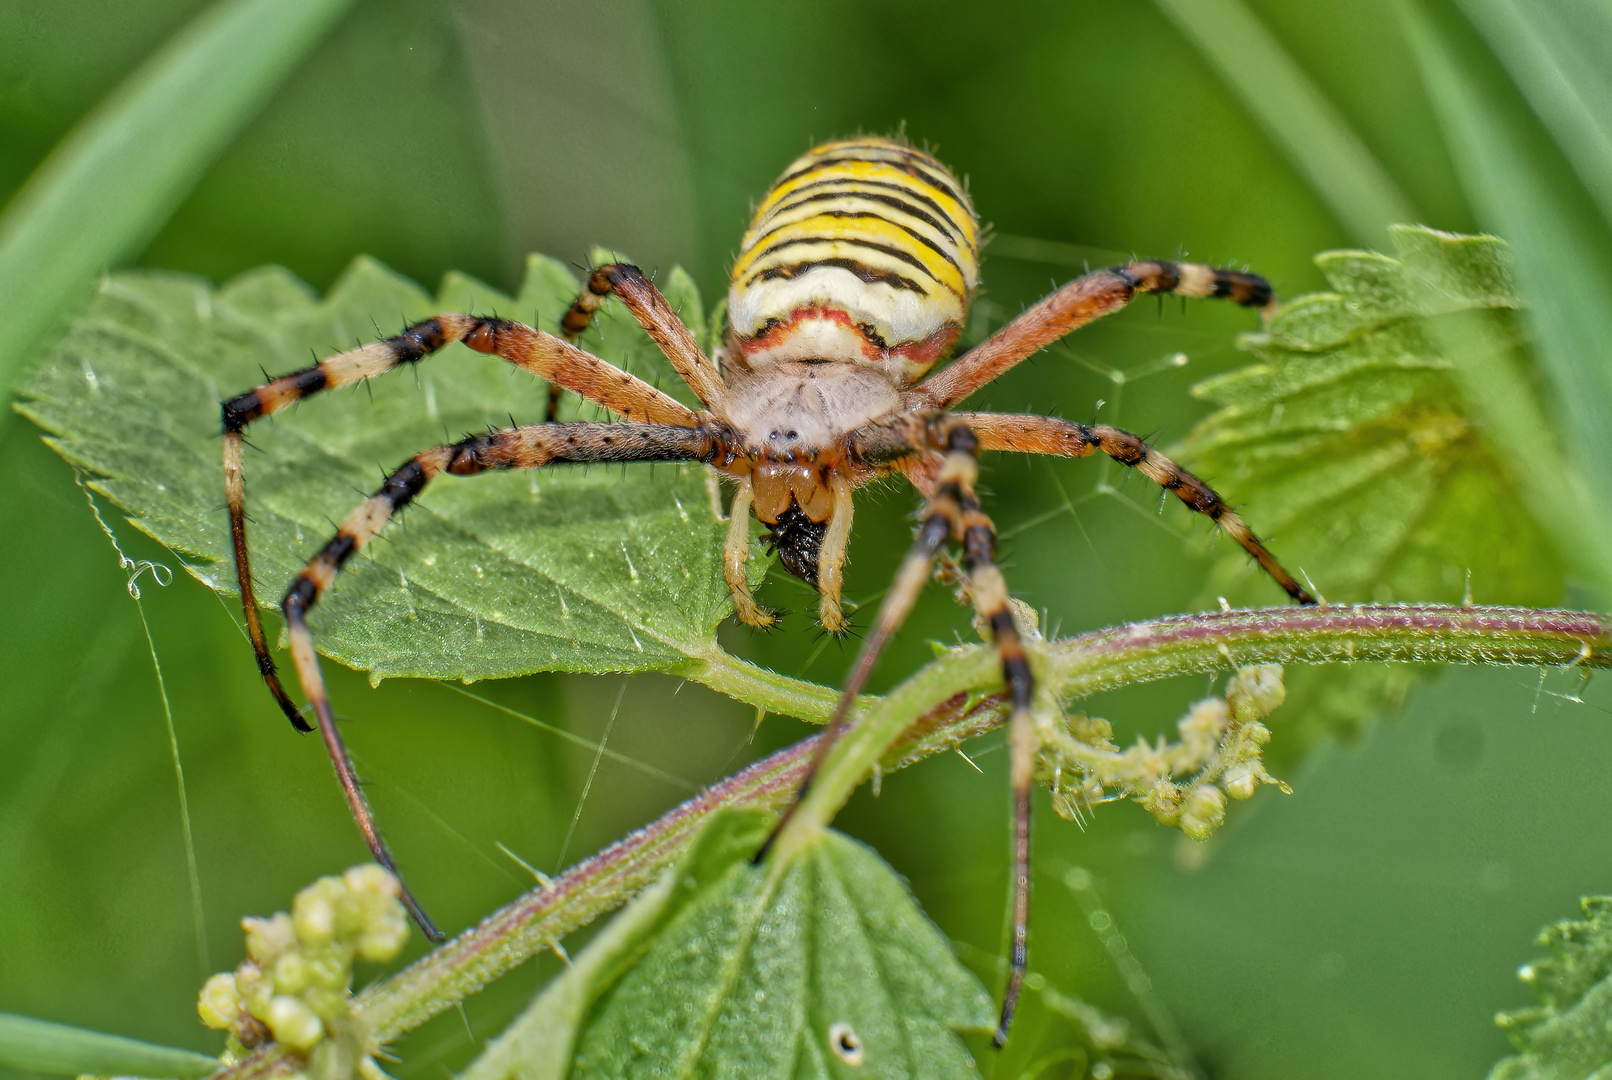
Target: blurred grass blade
column 1562, row 280
column 1556, row 53
column 30, row 1045
column 119, row 174
column 1293, row 111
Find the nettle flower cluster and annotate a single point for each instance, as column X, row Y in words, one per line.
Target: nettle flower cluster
column 295, row 986
column 1183, row 783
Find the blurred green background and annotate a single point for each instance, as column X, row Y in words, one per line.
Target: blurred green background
column 1368, row 924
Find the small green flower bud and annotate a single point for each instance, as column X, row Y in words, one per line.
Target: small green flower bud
column 326, row 1002
column 1240, row 781
column 220, row 1003
column 1203, row 726
column 383, row 940
column 267, row 938
column 370, row 879
column 254, row 988
column 1163, row 801
column 1093, row 730
column 1255, row 692
column 314, row 914
column 326, row 968
column 1203, row 811
column 290, row 973
column 293, row 1023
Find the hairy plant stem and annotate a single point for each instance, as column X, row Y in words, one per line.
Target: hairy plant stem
column 951, row 700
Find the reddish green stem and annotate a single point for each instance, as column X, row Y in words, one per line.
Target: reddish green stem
column 1080, row 667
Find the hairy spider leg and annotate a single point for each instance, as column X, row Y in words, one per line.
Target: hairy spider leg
column 736, row 556
column 948, row 482
column 1059, row 438
column 988, row 590
column 1086, row 298
column 952, row 511
column 655, row 315
column 831, row 556
column 934, row 527
column 510, row 448
column 532, row 350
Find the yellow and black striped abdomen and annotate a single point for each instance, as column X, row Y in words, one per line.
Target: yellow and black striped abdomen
column 867, row 235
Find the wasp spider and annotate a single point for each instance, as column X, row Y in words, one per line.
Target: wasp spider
column 853, row 280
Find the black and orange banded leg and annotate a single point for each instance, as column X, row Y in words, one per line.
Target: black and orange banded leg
column 646, row 304
column 988, row 589
column 532, row 350
column 1060, row 438
column 511, row 448
column 952, row 512
column 1089, row 297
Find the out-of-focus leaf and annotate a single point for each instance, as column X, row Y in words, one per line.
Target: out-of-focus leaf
column 115, row 179
column 1351, row 436
column 1353, row 445
column 1101, row 1043
column 1288, row 105
column 1564, row 280
column 823, row 967
column 1568, row 1036
column 598, row 570
column 1557, row 53
column 33, row 1045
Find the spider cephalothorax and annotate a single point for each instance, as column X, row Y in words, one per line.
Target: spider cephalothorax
column 852, row 281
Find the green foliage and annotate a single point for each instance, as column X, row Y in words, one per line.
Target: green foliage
column 117, row 178
column 40, row 1046
column 632, row 563
column 1353, row 436
column 398, row 141
column 567, row 570
column 1568, row 1036
column 819, row 966
column 296, row 981
column 1561, row 250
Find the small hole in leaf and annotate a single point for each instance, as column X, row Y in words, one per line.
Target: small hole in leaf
column 845, row 1043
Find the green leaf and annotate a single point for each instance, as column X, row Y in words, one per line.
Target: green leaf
column 1568, row 1036
column 566, row 569
column 33, row 1045
column 1352, row 437
column 1564, row 277
column 120, row 173
column 1357, row 447
column 1556, row 54
column 727, row 968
